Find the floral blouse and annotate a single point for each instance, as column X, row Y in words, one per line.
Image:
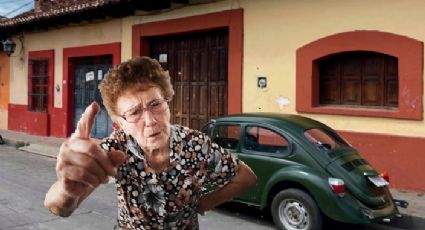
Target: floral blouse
column 168, row 200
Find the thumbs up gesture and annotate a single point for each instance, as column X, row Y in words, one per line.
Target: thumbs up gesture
column 81, row 164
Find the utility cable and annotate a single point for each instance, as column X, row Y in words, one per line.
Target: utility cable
column 9, row 1
column 19, row 8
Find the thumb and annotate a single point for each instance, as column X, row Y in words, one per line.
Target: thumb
column 117, row 157
column 85, row 124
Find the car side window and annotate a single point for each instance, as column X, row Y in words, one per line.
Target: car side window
column 227, row 136
column 264, row 140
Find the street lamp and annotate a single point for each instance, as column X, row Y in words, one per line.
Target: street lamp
column 9, row 46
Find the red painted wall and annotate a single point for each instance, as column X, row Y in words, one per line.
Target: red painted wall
column 402, row 157
column 57, row 121
column 37, row 123
column 230, row 19
column 22, row 120
column 65, row 116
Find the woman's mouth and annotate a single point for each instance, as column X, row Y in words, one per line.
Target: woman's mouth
column 154, row 135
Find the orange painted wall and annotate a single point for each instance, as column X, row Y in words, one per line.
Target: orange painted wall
column 4, row 89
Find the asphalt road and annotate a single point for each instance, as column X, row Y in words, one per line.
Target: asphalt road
column 25, row 178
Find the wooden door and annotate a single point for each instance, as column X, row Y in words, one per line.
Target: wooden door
column 197, row 64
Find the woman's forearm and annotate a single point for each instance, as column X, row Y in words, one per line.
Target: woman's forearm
column 58, row 202
column 244, row 179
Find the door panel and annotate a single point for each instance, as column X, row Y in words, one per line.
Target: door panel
column 330, row 83
column 197, row 64
column 88, row 73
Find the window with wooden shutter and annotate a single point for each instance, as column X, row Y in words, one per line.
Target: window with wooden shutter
column 38, row 85
column 359, row 79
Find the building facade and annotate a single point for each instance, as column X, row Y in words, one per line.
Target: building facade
column 343, row 63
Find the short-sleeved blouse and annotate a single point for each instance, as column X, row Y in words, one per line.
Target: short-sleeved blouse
column 168, row 200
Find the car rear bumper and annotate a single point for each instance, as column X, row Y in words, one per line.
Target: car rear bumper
column 401, row 203
column 348, row 209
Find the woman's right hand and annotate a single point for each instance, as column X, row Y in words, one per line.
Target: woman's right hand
column 81, row 164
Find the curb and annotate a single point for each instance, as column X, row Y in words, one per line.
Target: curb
column 42, row 150
column 39, row 149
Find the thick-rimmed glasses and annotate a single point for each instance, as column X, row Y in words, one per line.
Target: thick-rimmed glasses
column 156, row 107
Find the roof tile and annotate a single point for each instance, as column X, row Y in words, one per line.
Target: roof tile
column 55, row 8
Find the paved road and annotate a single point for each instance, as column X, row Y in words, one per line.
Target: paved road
column 25, row 178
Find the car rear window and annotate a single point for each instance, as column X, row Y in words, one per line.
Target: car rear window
column 325, row 140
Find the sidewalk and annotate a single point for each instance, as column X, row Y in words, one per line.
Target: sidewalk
column 49, row 147
column 46, row 146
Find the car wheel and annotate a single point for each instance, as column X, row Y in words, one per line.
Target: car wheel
column 294, row 209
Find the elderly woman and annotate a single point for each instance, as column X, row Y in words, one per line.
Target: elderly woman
column 160, row 169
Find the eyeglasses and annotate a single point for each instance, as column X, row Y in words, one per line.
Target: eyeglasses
column 156, row 107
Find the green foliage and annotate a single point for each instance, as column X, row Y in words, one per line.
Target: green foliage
column 21, row 144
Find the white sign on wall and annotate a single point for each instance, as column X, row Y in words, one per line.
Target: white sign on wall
column 99, row 75
column 163, row 58
column 90, row 76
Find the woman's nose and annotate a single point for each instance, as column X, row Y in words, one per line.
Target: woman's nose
column 149, row 118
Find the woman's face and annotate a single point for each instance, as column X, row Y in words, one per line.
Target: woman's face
column 145, row 116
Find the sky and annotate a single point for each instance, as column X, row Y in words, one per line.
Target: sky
column 10, row 8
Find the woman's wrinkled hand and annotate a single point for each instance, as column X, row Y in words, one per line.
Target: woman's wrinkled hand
column 81, row 164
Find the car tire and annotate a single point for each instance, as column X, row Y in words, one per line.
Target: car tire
column 295, row 209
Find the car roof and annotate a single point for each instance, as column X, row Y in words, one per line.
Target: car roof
column 285, row 121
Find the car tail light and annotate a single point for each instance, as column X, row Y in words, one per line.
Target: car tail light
column 385, row 175
column 338, row 186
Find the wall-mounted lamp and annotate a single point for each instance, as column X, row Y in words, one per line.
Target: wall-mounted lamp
column 9, row 46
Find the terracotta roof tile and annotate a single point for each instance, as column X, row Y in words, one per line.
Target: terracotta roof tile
column 56, row 8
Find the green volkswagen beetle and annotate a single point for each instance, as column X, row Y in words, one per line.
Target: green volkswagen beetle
column 305, row 170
